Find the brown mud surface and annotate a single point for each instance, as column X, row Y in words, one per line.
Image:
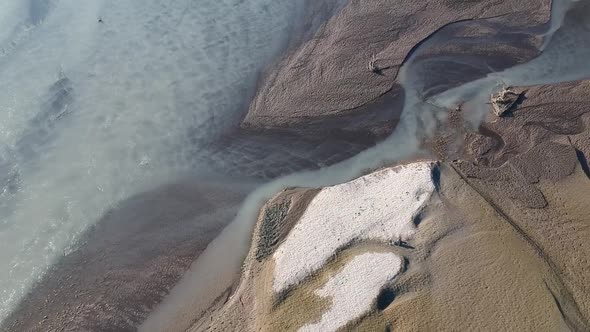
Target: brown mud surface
column 123, row 267
column 326, row 84
column 129, row 261
column 506, row 248
column 502, row 246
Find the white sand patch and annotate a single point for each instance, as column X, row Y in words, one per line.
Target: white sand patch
column 380, row 206
column 355, row 289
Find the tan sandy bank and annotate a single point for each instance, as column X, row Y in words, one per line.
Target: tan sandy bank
column 498, row 243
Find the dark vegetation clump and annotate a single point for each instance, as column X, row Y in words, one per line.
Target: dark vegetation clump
column 271, row 229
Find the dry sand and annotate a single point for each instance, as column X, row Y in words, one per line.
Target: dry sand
column 385, row 206
column 514, row 220
column 503, row 242
column 502, row 246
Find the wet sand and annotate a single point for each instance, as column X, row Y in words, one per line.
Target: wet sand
column 501, row 247
column 126, row 265
column 327, row 80
column 508, row 238
column 123, row 267
column 518, row 47
column 98, row 288
column 128, row 262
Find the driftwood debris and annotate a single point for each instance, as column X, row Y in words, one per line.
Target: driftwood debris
column 373, row 66
column 503, row 101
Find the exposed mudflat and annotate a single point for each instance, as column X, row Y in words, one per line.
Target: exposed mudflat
column 126, row 264
column 499, row 244
column 484, row 229
column 505, row 233
column 327, row 83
